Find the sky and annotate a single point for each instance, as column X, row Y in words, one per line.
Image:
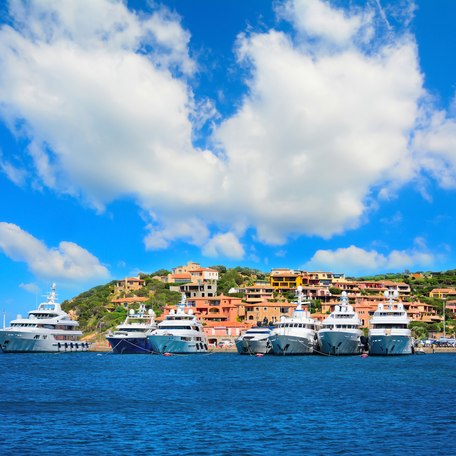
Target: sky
column 140, row 135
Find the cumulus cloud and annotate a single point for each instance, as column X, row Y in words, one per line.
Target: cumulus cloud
column 318, row 133
column 224, row 245
column 192, row 230
column 355, row 260
column 104, row 97
column 95, row 87
column 435, row 146
column 68, row 261
column 319, row 20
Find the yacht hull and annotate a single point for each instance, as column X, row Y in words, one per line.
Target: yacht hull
column 21, row 342
column 253, row 347
column 390, row 345
column 339, row 342
column 292, row 345
column 175, row 344
column 130, row 345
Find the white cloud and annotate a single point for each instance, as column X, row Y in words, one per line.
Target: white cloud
column 224, row 245
column 30, row 287
column 68, row 261
column 104, row 97
column 192, row 230
column 318, row 19
column 354, row 260
column 92, row 84
column 14, row 174
column 435, row 146
column 317, row 133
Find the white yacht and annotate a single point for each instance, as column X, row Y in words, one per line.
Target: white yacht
column 131, row 336
column 46, row 329
column 296, row 335
column 388, row 332
column 179, row 332
column 254, row 341
column 340, row 333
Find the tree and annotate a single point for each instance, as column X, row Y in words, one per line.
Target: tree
column 335, row 291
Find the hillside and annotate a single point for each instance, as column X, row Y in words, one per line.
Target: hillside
column 93, row 308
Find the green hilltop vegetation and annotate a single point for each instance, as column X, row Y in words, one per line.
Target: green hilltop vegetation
column 95, row 312
column 94, row 307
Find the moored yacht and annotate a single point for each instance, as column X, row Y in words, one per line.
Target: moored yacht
column 46, row 329
column 254, row 341
column 179, row 332
column 296, row 335
column 340, row 333
column 388, row 332
column 131, row 336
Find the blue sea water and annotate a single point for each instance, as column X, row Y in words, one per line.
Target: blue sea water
column 226, row 404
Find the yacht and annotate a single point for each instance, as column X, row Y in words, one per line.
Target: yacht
column 131, row 336
column 340, row 333
column 389, row 333
column 46, row 329
column 296, row 335
column 254, row 341
column 179, row 332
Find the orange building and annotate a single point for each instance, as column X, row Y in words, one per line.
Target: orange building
column 442, row 293
column 129, row 284
column 365, row 310
column 258, row 293
column 258, row 312
column 219, row 316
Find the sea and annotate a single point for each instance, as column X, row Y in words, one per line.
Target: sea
column 226, row 404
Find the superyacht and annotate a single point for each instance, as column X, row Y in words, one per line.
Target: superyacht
column 389, row 333
column 131, row 336
column 296, row 335
column 46, row 329
column 255, row 341
column 179, row 332
column 340, row 333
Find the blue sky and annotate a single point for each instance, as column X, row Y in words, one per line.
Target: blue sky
column 306, row 134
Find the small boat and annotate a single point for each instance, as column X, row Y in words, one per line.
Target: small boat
column 47, row 329
column 131, row 336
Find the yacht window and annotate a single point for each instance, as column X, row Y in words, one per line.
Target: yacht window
column 175, row 327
